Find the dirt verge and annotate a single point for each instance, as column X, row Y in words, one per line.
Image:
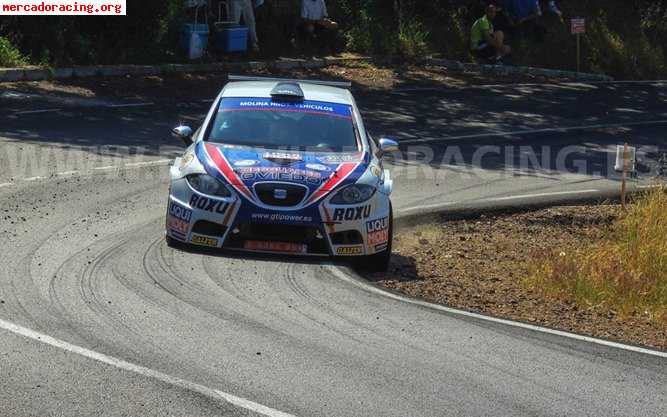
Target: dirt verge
column 481, row 265
column 365, row 75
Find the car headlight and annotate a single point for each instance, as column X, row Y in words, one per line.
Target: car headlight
column 206, row 184
column 353, row 194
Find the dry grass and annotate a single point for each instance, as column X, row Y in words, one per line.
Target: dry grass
column 625, row 272
column 481, row 264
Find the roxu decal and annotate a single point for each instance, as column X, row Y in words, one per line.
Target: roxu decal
column 204, row 203
column 353, row 213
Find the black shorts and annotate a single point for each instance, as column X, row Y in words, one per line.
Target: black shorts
column 484, row 50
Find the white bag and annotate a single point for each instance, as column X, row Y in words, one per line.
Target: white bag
column 196, row 49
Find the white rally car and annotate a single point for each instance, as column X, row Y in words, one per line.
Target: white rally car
column 283, row 166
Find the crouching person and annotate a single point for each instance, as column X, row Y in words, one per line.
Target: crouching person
column 315, row 22
column 487, row 44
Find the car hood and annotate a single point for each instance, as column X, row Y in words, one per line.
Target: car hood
column 244, row 167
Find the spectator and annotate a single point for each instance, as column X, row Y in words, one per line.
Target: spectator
column 524, row 15
column 486, row 43
column 522, row 11
column 502, row 21
column 314, row 17
column 245, row 9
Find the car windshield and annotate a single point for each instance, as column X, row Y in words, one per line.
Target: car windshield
column 267, row 123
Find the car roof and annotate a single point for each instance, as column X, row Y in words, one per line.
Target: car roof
column 313, row 92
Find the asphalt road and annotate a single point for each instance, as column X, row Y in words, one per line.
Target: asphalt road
column 113, row 322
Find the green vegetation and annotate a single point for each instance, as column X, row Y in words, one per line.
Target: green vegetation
column 625, row 272
column 146, row 35
column 412, row 39
column 10, row 56
column 625, row 38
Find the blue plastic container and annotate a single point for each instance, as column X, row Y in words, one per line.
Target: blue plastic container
column 232, row 39
column 200, row 29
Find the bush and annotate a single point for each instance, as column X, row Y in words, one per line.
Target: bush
column 624, row 56
column 369, row 26
column 624, row 39
column 10, row 56
column 139, row 37
column 625, row 272
column 412, row 39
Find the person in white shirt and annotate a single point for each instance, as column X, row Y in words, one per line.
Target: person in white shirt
column 313, row 10
column 246, row 9
column 314, row 16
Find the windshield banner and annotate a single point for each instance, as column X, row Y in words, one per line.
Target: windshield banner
column 306, row 106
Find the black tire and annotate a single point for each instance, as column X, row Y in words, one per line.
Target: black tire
column 175, row 243
column 171, row 242
column 379, row 262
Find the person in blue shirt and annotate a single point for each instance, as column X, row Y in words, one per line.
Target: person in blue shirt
column 522, row 11
column 523, row 15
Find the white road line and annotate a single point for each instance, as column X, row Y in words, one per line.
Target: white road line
column 512, row 197
column 131, row 105
column 653, row 83
column 142, row 370
column 555, row 83
column 148, row 163
column 533, row 131
column 36, row 111
column 102, row 168
column 517, row 197
column 624, row 82
column 650, row 186
column 67, row 173
column 426, row 207
column 377, row 290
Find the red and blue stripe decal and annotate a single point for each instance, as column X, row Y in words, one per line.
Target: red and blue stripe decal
column 342, row 172
column 217, row 165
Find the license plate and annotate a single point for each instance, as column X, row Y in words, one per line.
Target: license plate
column 287, row 247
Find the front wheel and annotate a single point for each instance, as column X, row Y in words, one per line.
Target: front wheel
column 174, row 243
column 171, row 242
column 379, row 262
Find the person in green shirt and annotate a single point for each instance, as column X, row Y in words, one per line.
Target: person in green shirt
column 486, row 43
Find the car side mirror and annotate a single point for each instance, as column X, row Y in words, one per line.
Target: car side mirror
column 183, row 133
column 388, row 146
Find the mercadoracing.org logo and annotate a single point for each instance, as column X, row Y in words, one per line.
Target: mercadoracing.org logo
column 63, row 7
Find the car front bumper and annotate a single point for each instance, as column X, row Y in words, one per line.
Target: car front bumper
column 236, row 223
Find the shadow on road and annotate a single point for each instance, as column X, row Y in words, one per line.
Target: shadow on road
column 443, row 112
